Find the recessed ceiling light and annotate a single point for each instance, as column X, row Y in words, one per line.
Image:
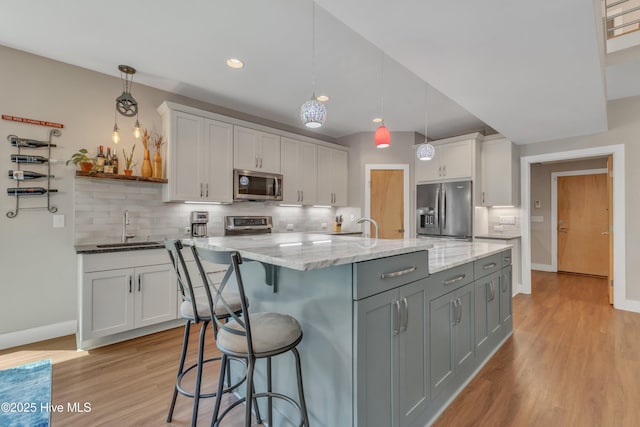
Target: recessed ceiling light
column 235, row 63
column 322, row 98
column 377, row 120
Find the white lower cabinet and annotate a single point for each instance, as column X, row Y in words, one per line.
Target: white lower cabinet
column 116, row 300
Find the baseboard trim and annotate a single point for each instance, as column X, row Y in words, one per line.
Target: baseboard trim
column 41, row 333
column 629, row 305
column 543, row 267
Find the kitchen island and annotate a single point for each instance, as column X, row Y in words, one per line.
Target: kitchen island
column 393, row 329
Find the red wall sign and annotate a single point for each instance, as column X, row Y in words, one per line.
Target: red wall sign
column 32, row 121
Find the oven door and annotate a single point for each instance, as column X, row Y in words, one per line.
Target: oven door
column 252, row 185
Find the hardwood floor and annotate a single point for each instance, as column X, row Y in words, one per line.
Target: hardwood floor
column 572, row 361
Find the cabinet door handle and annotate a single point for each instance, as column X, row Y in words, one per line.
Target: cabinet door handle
column 302, row 195
column 459, row 306
column 492, row 290
column 444, row 170
column 455, row 311
column 201, row 190
column 130, row 284
column 405, row 315
column 507, row 259
column 255, row 161
column 398, row 273
column 489, row 266
column 454, row 280
column 207, row 188
column 139, row 283
column 396, row 328
column 483, row 197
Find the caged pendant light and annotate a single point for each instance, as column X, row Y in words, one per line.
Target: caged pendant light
column 425, row 150
column 313, row 113
column 382, row 137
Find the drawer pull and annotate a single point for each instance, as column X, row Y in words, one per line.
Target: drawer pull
column 489, row 266
column 398, row 273
column 507, row 259
column 455, row 279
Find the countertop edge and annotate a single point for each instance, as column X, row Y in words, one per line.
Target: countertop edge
column 496, row 248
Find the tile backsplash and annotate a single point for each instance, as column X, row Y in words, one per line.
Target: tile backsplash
column 507, row 214
column 99, row 206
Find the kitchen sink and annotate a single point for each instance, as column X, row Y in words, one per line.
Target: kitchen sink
column 128, row 244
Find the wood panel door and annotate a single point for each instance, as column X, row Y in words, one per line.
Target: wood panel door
column 583, row 224
column 387, row 202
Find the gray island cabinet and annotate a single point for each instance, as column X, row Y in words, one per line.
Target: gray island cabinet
column 393, row 329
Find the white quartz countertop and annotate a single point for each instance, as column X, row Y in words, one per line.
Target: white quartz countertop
column 301, row 251
column 447, row 254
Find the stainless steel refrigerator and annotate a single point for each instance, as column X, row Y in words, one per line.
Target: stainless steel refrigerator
column 444, row 210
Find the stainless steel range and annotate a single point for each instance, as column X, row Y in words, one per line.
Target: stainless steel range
column 247, row 225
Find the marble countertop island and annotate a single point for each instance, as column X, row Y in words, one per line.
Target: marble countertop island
column 301, row 251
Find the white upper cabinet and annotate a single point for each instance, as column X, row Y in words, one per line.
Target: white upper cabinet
column 332, row 176
column 299, row 162
column 453, row 161
column 256, row 150
column 500, row 173
column 199, row 158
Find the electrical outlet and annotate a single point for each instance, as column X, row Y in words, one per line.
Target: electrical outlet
column 507, row 219
column 289, row 227
column 187, row 230
column 323, row 226
column 58, row 221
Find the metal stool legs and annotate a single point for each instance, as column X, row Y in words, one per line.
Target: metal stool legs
column 181, row 372
column 250, row 399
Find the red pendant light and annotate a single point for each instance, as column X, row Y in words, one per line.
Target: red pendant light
column 382, row 137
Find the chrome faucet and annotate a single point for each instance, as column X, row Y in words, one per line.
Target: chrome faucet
column 125, row 222
column 372, row 221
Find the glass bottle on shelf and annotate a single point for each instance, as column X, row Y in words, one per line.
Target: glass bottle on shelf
column 114, row 162
column 108, row 166
column 100, row 160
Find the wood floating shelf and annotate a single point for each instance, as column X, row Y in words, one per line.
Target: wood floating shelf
column 96, row 175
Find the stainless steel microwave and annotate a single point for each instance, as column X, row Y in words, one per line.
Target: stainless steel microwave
column 253, row 185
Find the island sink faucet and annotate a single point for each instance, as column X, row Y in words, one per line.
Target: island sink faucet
column 125, row 222
column 372, row 221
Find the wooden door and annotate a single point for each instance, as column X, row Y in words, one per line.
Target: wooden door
column 610, row 217
column 387, row 202
column 583, row 224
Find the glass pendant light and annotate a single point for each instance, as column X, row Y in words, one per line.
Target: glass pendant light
column 382, row 137
column 425, row 150
column 313, row 113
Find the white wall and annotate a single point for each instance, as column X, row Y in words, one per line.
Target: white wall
column 624, row 128
column 37, row 261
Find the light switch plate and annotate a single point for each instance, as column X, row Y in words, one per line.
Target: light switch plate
column 58, row 221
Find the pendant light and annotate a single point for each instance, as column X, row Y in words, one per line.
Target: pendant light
column 313, row 113
column 425, row 150
column 125, row 103
column 382, row 137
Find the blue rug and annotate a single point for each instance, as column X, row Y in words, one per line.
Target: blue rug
column 25, row 395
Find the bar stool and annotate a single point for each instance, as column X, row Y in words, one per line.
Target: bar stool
column 252, row 337
column 198, row 309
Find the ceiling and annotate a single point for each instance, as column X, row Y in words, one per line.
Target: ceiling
column 533, row 70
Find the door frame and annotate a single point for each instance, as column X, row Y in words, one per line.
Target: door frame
column 554, row 208
column 405, row 177
column 619, row 239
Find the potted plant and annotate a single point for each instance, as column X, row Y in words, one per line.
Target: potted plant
column 82, row 158
column 128, row 161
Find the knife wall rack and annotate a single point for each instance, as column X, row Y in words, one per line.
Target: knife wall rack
column 20, row 144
